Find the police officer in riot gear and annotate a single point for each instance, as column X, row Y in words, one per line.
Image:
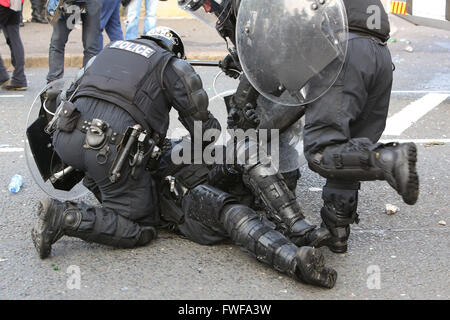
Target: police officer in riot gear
column 342, row 127
column 207, row 206
column 277, row 191
column 109, row 126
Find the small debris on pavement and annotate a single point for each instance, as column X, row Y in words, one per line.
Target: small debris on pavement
column 315, row 189
column 442, row 223
column 392, row 40
column 391, row 209
column 409, row 49
column 3, row 260
column 434, row 143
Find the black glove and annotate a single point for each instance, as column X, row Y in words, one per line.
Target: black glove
column 245, row 119
column 125, row 3
column 230, row 66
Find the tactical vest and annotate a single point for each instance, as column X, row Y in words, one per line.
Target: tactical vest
column 129, row 74
column 362, row 18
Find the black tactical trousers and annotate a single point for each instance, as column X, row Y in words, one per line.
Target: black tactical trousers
column 128, row 204
column 351, row 116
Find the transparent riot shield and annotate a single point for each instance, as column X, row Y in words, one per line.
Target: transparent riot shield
column 56, row 179
column 292, row 51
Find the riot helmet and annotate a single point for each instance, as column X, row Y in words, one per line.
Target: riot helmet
column 168, row 39
column 207, row 11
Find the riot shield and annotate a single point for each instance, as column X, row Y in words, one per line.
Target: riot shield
column 50, row 173
column 292, row 51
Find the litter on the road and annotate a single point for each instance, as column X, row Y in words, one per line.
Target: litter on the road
column 442, row 223
column 391, row 209
column 16, row 183
column 3, row 260
column 409, row 49
column 434, row 143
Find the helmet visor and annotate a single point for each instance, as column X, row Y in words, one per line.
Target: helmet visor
column 207, row 11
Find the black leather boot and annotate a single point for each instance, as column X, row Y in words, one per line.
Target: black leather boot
column 56, row 219
column 338, row 213
column 304, row 264
column 53, row 218
column 398, row 163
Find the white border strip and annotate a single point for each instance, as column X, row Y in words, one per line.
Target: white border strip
column 12, row 96
column 418, row 141
column 402, row 120
column 10, row 150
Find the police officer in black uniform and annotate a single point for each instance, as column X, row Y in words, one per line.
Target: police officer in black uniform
column 277, row 191
column 124, row 95
column 343, row 127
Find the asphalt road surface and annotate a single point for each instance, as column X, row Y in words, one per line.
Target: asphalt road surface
column 400, row 256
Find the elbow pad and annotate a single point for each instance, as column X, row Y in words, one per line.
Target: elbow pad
column 198, row 97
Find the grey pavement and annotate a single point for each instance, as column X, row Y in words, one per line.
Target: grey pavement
column 409, row 249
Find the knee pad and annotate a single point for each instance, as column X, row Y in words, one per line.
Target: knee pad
column 205, row 204
column 340, row 205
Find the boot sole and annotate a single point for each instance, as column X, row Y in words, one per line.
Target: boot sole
column 411, row 193
column 42, row 246
column 314, row 261
column 15, row 89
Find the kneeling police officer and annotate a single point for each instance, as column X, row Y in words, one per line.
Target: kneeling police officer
column 120, row 106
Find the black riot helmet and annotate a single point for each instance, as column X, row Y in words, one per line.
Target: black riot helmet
column 207, row 11
column 168, row 39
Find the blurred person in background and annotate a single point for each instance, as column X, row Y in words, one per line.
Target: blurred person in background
column 9, row 24
column 132, row 22
column 38, row 11
column 110, row 21
column 90, row 17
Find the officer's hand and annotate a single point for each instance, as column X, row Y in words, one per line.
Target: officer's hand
column 245, row 119
column 230, row 67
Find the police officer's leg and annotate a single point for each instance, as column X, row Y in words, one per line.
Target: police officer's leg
column 91, row 29
column 339, row 211
column 342, row 126
column 220, row 211
column 337, row 146
column 90, row 184
column 128, row 210
column 58, row 42
column 267, row 183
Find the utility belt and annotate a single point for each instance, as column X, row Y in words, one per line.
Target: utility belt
column 359, row 34
column 135, row 145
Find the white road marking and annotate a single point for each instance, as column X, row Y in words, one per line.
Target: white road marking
column 10, row 150
column 12, row 96
column 419, row 92
column 417, row 141
column 402, row 120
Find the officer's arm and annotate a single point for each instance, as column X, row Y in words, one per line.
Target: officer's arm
column 185, row 92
